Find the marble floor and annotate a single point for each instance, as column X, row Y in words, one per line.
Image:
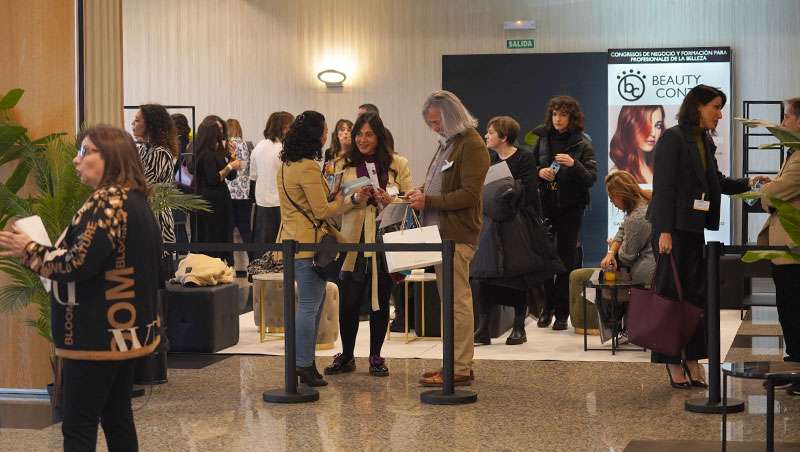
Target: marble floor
column 214, row 403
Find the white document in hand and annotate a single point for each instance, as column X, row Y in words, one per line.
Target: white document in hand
column 35, row 229
column 496, row 172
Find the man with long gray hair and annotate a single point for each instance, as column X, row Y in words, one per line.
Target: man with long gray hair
column 451, row 199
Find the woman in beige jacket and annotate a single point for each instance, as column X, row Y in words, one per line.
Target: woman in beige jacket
column 304, row 211
column 390, row 176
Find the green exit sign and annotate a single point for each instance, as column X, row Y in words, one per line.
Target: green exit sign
column 519, row 43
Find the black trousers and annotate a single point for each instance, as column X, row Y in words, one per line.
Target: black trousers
column 242, row 209
column 266, row 225
column 355, row 289
column 566, row 224
column 787, row 288
column 98, row 391
column 687, row 249
column 242, row 214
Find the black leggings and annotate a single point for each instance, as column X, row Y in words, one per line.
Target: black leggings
column 355, row 289
column 98, row 391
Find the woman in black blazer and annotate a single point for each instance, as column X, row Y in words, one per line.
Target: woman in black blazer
column 687, row 188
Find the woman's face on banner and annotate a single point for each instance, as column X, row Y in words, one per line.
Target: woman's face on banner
column 647, row 142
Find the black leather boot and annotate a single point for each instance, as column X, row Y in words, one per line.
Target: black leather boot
column 308, row 376
column 545, row 317
column 482, row 336
column 517, row 335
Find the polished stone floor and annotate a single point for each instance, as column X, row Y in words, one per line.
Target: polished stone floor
column 214, row 403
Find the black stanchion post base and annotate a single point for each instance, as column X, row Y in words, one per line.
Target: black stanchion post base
column 438, row 397
column 701, row 405
column 303, row 395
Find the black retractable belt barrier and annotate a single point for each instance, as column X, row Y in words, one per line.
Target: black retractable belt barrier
column 291, row 393
column 448, row 395
column 713, row 403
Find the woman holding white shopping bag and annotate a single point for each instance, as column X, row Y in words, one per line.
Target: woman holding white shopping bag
column 389, row 176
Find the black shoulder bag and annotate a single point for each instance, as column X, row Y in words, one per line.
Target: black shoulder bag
column 325, row 261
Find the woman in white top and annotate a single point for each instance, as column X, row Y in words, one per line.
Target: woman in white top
column 264, row 165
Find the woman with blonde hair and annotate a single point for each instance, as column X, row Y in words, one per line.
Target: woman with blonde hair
column 630, row 247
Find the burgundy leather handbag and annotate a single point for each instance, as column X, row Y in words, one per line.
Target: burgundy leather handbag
column 659, row 323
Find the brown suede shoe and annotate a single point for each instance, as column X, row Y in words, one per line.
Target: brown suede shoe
column 437, row 380
column 434, row 372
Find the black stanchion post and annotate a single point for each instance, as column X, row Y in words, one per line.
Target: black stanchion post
column 290, row 393
column 713, row 403
column 448, row 395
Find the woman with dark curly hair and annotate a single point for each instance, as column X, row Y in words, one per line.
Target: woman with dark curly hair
column 212, row 167
column 567, row 170
column 304, row 208
column 638, row 129
column 158, row 149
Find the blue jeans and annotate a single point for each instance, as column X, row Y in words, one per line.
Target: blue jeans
column 310, row 294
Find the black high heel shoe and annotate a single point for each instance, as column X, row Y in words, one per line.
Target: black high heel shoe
column 676, row 385
column 699, row 383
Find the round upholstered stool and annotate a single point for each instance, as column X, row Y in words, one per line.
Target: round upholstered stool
column 268, row 298
column 576, row 301
column 329, row 320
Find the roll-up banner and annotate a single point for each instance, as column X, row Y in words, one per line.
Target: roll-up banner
column 645, row 91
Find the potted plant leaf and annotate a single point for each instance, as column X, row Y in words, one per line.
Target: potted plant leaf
column 57, row 193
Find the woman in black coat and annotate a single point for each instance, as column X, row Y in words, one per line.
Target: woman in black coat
column 501, row 132
column 213, row 166
column 567, row 170
column 687, row 188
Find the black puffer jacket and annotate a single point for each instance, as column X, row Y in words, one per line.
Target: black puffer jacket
column 573, row 183
column 514, row 250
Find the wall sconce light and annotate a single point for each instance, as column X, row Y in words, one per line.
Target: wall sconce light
column 332, row 78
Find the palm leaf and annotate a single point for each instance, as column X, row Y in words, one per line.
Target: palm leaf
column 789, row 216
column 11, row 98
column 753, row 256
column 167, row 196
column 785, row 136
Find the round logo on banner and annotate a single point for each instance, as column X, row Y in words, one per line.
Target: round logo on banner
column 631, row 85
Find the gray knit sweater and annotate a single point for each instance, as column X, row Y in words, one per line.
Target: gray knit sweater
column 636, row 251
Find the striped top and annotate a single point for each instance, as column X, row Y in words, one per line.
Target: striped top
column 158, row 165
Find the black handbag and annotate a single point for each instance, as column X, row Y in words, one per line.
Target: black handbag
column 326, row 263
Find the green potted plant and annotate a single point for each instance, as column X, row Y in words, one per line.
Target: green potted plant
column 57, row 194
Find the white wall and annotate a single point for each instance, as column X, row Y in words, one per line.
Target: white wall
column 247, row 58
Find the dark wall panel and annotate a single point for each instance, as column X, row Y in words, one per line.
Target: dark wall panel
column 520, row 85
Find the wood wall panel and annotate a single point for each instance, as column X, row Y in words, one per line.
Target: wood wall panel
column 247, row 58
column 38, row 48
column 103, row 61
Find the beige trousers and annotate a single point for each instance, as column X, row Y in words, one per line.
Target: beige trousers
column 464, row 325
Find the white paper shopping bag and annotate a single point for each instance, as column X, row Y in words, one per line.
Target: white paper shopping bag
column 407, row 260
